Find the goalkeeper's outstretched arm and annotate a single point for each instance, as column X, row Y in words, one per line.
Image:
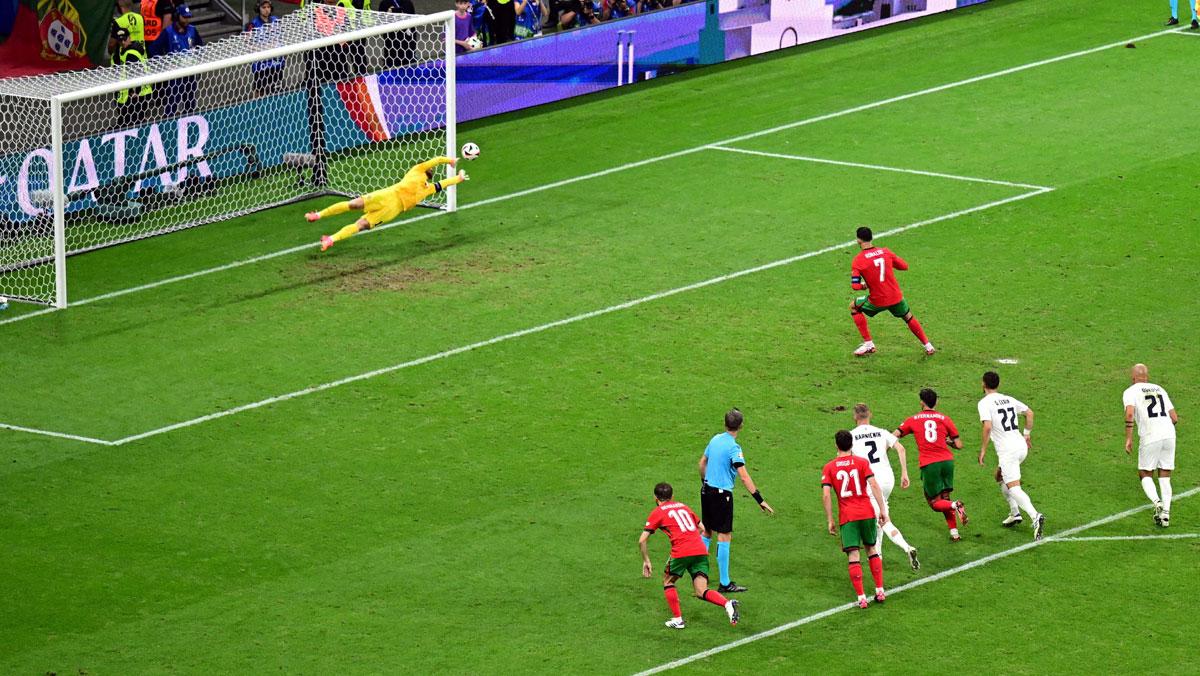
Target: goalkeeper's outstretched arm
column 435, row 162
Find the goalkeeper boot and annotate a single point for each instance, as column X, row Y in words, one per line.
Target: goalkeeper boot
column 312, row 216
column 326, row 242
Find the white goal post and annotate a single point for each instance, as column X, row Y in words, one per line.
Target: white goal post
column 325, row 101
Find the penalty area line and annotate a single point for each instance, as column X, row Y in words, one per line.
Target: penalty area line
column 1064, row 535
column 59, row 435
column 1122, row 538
column 606, row 172
column 562, row 322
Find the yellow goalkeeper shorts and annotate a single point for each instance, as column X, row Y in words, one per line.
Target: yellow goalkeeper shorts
column 381, row 206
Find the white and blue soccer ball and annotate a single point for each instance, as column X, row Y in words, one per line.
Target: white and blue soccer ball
column 470, row 151
column 3, row 303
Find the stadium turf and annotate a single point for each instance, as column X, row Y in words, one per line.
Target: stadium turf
column 479, row 513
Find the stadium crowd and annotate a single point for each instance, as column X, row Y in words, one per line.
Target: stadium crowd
column 495, row 22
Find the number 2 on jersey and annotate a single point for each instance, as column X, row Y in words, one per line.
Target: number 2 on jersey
column 845, row 478
column 873, row 453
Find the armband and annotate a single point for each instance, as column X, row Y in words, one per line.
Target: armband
column 757, row 495
column 856, row 279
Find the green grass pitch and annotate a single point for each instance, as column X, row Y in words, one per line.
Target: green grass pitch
column 478, row 513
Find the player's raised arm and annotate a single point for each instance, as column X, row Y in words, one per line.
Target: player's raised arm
column 436, row 162
column 647, row 567
column 828, row 509
column 754, row 492
column 873, row 485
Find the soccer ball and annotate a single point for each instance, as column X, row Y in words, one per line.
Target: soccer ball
column 474, row 42
column 3, row 303
column 470, row 151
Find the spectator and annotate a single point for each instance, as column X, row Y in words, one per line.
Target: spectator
column 399, row 48
column 616, row 9
column 179, row 37
column 565, row 13
column 268, row 75
column 644, row 6
column 529, row 18
column 589, row 13
column 464, row 27
column 165, row 11
column 151, row 22
column 481, row 19
column 131, row 103
column 503, row 21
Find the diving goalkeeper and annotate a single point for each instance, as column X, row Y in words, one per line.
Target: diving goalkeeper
column 385, row 205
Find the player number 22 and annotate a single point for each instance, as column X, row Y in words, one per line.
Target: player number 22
column 683, row 519
column 879, row 264
column 845, row 478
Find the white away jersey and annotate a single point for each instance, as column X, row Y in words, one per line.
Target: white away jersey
column 871, row 442
column 1005, row 413
column 1150, row 404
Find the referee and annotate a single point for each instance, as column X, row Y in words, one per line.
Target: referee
column 721, row 462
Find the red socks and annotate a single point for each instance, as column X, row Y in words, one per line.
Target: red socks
column 672, row 600
column 856, row 577
column 947, row 509
column 915, row 327
column 715, row 598
column 876, row 564
column 860, row 320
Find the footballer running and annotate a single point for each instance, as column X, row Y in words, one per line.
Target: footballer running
column 1150, row 407
column 1000, row 415
column 387, row 204
column 874, row 269
column 872, row 443
column 688, row 555
column 934, row 433
column 851, row 477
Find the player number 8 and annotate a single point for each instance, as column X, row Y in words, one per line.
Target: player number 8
column 931, row 431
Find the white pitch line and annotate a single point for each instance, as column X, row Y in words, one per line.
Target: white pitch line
column 879, row 167
column 605, row 172
column 1107, row 538
column 562, row 322
column 1190, row 35
column 911, row 585
column 60, row 435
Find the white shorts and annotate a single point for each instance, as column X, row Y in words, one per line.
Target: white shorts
column 1010, row 465
column 1156, row 455
column 885, row 486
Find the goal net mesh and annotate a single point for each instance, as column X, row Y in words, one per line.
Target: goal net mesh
column 180, row 149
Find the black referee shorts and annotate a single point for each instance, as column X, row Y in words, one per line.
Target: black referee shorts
column 716, row 509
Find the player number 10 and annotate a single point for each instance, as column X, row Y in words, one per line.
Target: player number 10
column 683, row 519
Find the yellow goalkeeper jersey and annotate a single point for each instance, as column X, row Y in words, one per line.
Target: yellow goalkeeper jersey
column 415, row 185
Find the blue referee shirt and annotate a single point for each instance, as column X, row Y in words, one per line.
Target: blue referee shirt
column 724, row 457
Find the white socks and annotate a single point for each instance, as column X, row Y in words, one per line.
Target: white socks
column 1148, row 486
column 1164, row 484
column 897, row 539
column 1020, row 497
column 1012, row 503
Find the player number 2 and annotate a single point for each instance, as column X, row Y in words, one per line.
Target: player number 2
column 1151, row 400
column 872, row 454
column 683, row 519
column 879, row 264
column 931, row 431
column 845, row 478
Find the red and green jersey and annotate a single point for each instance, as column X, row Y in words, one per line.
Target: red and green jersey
column 931, row 430
column 846, row 476
column 874, row 269
column 680, row 524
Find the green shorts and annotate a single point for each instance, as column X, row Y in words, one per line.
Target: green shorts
column 937, row 477
column 696, row 565
column 867, row 308
column 858, row 534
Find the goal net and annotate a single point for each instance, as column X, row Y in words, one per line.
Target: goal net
column 325, row 101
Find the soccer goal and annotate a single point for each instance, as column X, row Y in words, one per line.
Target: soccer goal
column 326, row 101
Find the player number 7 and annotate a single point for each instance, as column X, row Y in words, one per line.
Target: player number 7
column 879, row 264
